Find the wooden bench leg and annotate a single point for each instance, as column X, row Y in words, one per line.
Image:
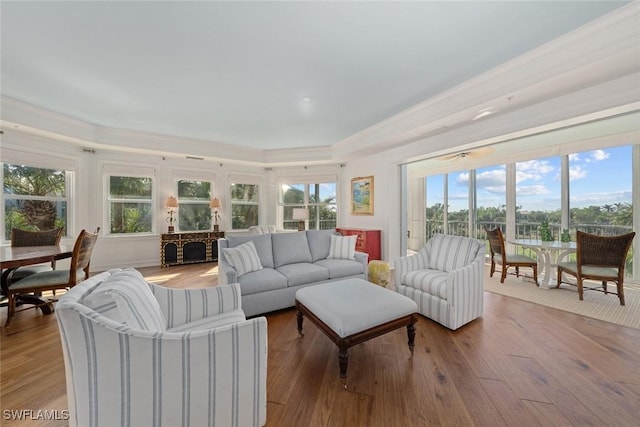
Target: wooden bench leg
column 300, row 317
column 411, row 334
column 343, row 360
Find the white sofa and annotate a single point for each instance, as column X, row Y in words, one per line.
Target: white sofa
column 287, row 262
column 140, row 354
column 445, row 278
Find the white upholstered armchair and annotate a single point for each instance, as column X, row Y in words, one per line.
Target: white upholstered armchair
column 445, row 278
column 140, row 354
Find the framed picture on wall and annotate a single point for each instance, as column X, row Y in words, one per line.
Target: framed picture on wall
column 362, row 195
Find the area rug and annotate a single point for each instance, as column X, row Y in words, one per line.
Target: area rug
column 596, row 304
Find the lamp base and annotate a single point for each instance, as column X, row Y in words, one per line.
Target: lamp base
column 216, row 227
column 300, row 225
column 171, row 229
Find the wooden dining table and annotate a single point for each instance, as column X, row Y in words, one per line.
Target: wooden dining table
column 12, row 258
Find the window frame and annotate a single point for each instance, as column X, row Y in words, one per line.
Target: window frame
column 69, row 178
column 152, row 202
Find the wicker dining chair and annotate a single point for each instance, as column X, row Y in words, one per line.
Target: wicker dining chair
column 22, row 238
column 56, row 279
column 600, row 258
column 500, row 256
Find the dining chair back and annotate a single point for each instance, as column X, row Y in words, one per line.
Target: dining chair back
column 22, row 238
column 600, row 258
column 500, row 256
column 56, row 279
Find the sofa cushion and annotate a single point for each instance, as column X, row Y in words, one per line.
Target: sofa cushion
column 341, row 267
column 263, row 280
column 432, row 282
column 342, row 247
column 448, row 253
column 304, row 272
column 125, row 297
column 243, row 258
column 262, row 243
column 319, row 243
column 290, row 248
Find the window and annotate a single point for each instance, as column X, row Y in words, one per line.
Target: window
column 244, row 206
column 130, row 204
column 538, row 197
column 491, row 202
column 34, row 198
column 435, row 201
column 318, row 198
column 194, row 213
column 458, row 203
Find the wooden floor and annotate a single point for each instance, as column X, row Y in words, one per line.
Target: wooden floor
column 521, row 364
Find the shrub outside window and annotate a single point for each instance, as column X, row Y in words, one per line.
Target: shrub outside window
column 35, row 198
column 194, row 213
column 130, row 204
column 244, row 206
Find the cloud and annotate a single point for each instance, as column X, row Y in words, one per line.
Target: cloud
column 574, row 157
column 533, row 170
column 577, row 172
column 599, row 155
column 531, row 190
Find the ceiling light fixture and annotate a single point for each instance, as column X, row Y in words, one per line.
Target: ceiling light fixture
column 306, row 99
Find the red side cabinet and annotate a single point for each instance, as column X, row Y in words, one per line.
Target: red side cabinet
column 368, row 240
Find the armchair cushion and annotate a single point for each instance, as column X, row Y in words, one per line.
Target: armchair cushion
column 244, row 258
column 125, row 297
column 432, row 282
column 448, row 253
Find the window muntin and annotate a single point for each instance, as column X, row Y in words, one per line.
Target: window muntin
column 34, row 198
column 244, row 206
column 130, row 204
column 194, row 213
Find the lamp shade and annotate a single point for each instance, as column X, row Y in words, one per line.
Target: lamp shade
column 301, row 214
column 215, row 203
column 171, row 202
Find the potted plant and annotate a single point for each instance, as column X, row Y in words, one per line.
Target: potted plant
column 545, row 232
column 565, row 236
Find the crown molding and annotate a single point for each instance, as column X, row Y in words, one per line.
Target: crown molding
column 601, row 51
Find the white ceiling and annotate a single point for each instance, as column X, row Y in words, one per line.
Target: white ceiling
column 237, row 72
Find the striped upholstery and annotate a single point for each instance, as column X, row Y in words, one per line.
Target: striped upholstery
column 135, row 304
column 342, row 247
column 244, row 258
column 453, row 294
column 212, row 375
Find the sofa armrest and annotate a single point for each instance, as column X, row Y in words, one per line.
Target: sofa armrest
column 181, row 306
column 212, row 377
column 363, row 258
column 226, row 272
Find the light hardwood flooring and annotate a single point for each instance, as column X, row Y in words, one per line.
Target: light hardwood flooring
column 521, row 364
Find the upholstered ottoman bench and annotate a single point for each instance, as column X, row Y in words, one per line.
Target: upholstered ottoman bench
column 353, row 311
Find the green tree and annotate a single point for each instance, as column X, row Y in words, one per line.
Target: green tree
column 32, row 181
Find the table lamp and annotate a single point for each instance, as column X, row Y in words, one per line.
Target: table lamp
column 302, row 215
column 171, row 203
column 215, row 204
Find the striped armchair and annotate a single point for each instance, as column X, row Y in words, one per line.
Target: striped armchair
column 445, row 278
column 164, row 357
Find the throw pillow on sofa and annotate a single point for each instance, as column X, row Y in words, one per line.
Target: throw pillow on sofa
column 342, row 247
column 244, row 258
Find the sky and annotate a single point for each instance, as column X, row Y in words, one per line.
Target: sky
column 597, row 177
